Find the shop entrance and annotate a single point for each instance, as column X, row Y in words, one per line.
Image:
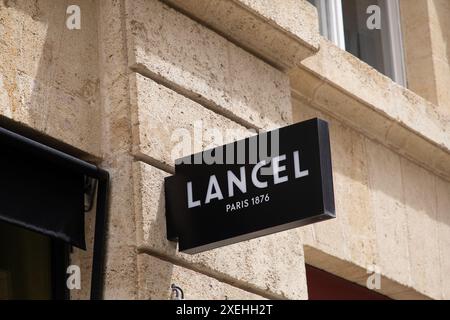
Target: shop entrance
column 44, row 197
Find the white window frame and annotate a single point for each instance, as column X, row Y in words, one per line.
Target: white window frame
column 332, row 27
column 331, row 21
column 394, row 40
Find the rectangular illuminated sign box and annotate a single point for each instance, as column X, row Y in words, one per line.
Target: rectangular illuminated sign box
column 254, row 187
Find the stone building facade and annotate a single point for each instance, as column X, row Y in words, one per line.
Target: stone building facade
column 114, row 91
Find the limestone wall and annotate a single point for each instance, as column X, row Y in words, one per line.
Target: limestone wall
column 392, row 214
column 173, row 72
column 49, row 74
column 187, row 73
column 426, row 34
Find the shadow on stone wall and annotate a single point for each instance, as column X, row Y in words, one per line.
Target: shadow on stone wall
column 49, row 85
column 49, row 75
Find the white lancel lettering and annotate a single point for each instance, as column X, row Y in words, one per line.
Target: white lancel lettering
column 191, row 203
column 255, row 180
column 240, row 182
column 298, row 172
column 217, row 193
column 277, row 169
column 233, row 180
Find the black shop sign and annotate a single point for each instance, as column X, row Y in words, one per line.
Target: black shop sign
column 267, row 183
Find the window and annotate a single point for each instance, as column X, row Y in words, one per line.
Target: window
column 331, row 20
column 344, row 22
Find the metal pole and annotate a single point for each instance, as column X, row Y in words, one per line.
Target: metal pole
column 98, row 261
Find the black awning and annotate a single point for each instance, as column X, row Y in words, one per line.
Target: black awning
column 42, row 189
column 39, row 193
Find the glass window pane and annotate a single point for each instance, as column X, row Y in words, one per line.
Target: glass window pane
column 25, row 264
column 370, row 45
column 365, row 43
